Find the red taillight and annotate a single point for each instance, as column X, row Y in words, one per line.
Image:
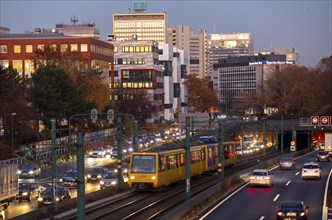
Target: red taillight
column 317, row 171
column 302, row 214
column 304, row 171
column 279, row 213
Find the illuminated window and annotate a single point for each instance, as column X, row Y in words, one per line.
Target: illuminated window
column 73, row 47
column 17, row 48
column 84, row 48
column 28, row 48
column 3, row 48
column 63, row 47
column 53, row 47
column 4, row 63
column 115, row 49
column 17, row 64
column 28, row 67
column 41, row 47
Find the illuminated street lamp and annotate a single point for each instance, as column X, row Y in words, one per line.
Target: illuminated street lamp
column 13, row 114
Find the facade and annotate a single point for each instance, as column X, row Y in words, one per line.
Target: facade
column 292, row 54
column 136, row 68
column 195, row 44
column 4, row 30
column 237, row 77
column 80, row 30
column 174, row 62
column 221, row 46
column 17, row 50
column 140, row 26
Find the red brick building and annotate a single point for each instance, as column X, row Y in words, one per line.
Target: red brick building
column 16, row 50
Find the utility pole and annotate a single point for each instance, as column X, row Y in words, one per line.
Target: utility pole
column 264, row 136
column 187, row 146
column 13, row 114
column 192, row 130
column 221, row 149
column 53, row 155
column 135, row 136
column 282, row 134
column 119, row 152
column 80, row 177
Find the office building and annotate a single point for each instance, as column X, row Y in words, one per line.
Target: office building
column 292, row 54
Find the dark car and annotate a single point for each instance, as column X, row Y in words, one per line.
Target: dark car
column 27, row 191
column 70, row 178
column 61, row 193
column 287, row 163
column 96, row 173
column 292, row 210
column 29, row 170
column 323, row 156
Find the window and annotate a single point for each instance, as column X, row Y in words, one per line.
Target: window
column 73, row 47
column 63, row 47
column 28, row 48
column 17, row 48
column 53, row 47
column 84, row 48
column 3, row 48
column 4, row 63
column 17, row 64
column 41, row 47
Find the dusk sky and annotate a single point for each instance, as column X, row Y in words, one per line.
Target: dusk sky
column 303, row 24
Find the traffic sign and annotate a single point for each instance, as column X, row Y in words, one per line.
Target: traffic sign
column 324, row 120
column 292, row 143
column 94, row 115
column 314, row 120
column 110, row 115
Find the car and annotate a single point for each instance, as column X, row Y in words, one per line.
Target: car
column 29, row 170
column 61, row 193
column 70, row 178
column 311, row 171
column 108, row 180
column 27, row 191
column 96, row 173
column 108, row 150
column 323, row 156
column 261, row 177
column 286, row 163
column 114, row 153
column 98, row 152
column 292, row 210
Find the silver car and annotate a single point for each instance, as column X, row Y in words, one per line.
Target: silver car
column 261, row 177
column 311, row 171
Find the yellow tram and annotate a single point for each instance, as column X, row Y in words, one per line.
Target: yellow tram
column 149, row 170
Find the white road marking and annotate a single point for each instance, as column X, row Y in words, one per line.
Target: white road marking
column 262, row 218
column 297, row 173
column 275, row 198
column 287, row 183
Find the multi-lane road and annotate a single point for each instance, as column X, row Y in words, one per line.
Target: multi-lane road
column 258, row 203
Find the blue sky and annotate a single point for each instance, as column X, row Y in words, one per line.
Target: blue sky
column 303, row 24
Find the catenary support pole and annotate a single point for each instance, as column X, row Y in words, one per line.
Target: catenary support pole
column 80, row 177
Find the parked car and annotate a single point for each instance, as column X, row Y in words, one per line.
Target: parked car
column 98, row 152
column 323, row 156
column 311, row 171
column 96, row 173
column 61, row 193
column 292, row 210
column 261, row 177
column 108, row 180
column 286, row 163
column 27, row 191
column 29, row 170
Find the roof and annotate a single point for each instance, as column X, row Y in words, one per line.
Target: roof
column 34, row 36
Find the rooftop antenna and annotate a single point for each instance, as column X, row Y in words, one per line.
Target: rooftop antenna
column 271, row 44
column 214, row 26
column 74, row 20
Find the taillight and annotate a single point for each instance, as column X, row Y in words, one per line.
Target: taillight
column 317, row 171
column 304, row 171
column 279, row 213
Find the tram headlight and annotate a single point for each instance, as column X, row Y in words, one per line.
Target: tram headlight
column 153, row 177
column 132, row 177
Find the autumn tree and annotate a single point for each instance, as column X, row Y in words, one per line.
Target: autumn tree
column 94, row 88
column 15, row 111
column 200, row 95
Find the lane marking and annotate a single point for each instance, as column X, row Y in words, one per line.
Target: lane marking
column 297, row 173
column 220, row 203
column 287, row 183
column 262, row 217
column 325, row 208
column 275, row 198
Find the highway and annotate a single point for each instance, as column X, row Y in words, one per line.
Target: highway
column 259, row 203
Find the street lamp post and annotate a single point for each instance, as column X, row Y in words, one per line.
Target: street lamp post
column 13, row 114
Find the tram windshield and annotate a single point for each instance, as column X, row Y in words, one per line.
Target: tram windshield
column 143, row 164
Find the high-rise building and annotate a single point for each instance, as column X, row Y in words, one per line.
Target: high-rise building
column 140, row 26
column 226, row 45
column 195, row 44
